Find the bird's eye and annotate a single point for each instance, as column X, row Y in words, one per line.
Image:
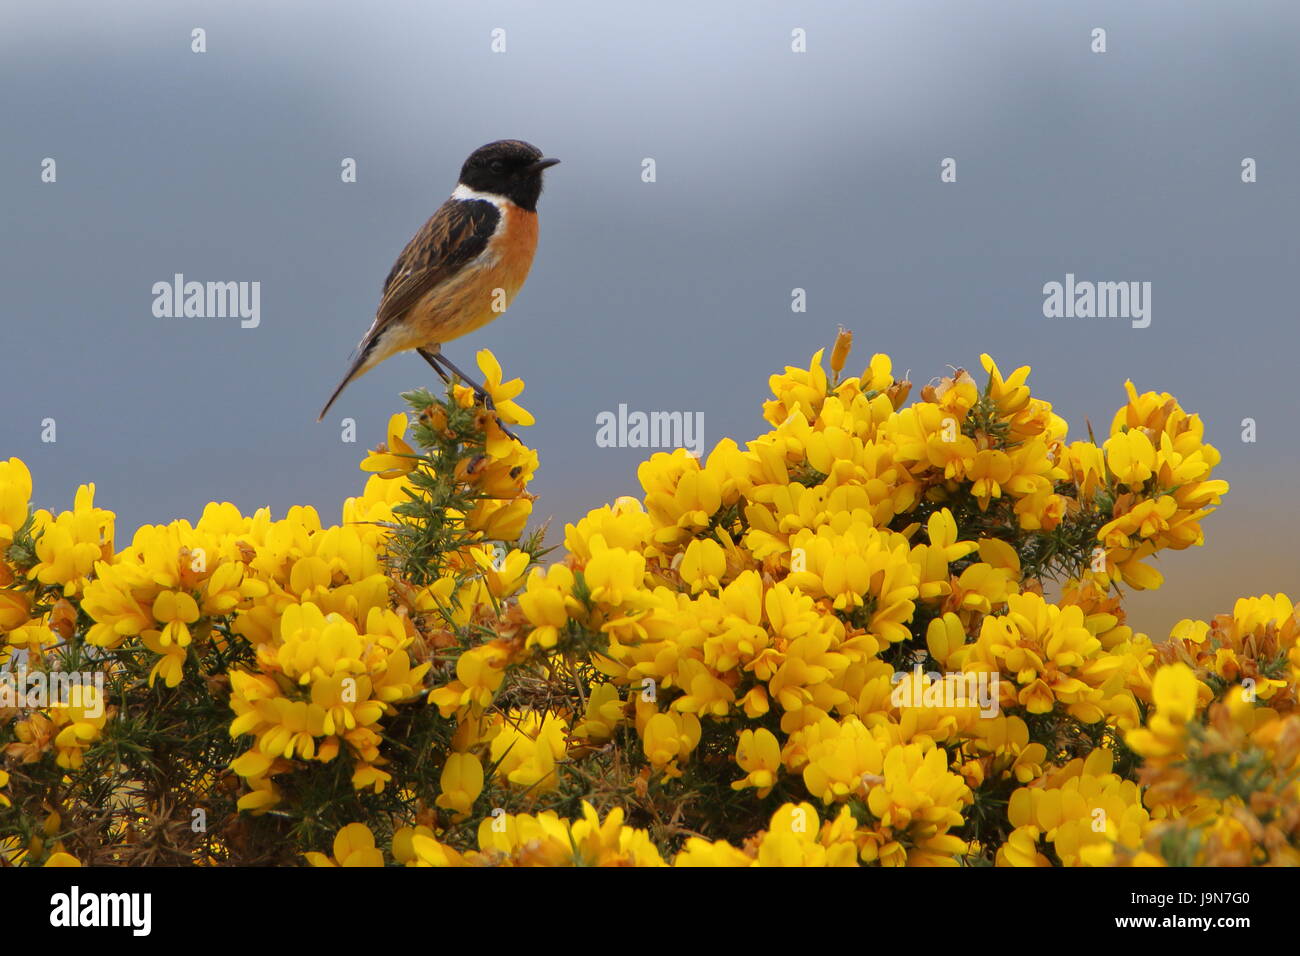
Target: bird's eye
column 497, row 166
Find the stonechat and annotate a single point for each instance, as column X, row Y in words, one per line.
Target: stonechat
column 465, row 265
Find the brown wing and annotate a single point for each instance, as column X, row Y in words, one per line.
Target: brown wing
column 454, row 235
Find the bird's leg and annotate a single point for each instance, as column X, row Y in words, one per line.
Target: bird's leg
column 480, row 392
column 431, row 358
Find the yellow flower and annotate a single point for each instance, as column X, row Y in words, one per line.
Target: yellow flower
column 528, row 748
column 395, row 457
column 792, row 839
column 858, row 563
column 77, row 728
column 170, row 666
column 703, row 565
column 798, row 390
column 548, row 840
column 623, row 525
column 605, row 711
column 759, row 755
column 503, row 393
column 69, row 545
column 1010, row 395
column 613, row 575
column 982, row 587
column 15, row 496
column 700, row 852
column 174, row 610
column 842, row 759
column 919, row 793
column 547, row 602
column 1087, row 466
column 1130, row 456
column 669, row 738
column 479, row 672
column 1084, row 810
column 461, row 784
column 990, row 471
column 680, row 496
column 354, row 845
column 943, row 636
column 1176, row 693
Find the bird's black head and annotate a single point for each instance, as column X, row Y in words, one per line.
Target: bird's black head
column 508, row 167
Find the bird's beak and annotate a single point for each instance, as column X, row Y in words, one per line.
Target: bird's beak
column 541, row 164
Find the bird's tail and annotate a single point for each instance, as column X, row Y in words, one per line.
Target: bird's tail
column 360, row 365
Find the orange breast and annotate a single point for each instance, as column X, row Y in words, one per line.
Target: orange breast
column 479, row 294
column 514, row 246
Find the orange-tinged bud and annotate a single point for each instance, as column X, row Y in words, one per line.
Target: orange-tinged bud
column 840, row 352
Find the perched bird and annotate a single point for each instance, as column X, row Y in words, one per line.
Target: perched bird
column 464, row 266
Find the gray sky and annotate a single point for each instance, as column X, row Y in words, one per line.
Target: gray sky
column 775, row 170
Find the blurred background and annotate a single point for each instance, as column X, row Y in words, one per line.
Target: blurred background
column 774, row 170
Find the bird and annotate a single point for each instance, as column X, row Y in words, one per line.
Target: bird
column 463, row 267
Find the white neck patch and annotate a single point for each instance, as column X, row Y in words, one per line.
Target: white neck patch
column 465, row 192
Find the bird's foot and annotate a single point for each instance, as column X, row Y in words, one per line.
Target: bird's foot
column 508, row 433
column 481, row 395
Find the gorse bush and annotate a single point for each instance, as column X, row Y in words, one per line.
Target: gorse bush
column 879, row 633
